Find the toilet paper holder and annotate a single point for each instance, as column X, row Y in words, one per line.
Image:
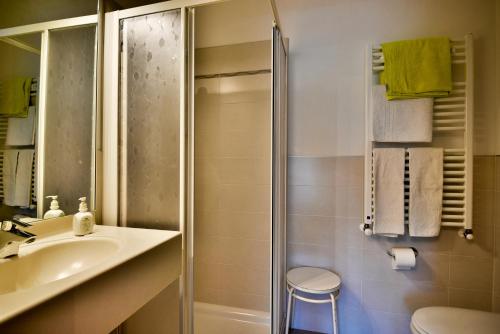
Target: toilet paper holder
column 389, row 252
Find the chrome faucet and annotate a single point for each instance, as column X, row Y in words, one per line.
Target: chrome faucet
column 11, row 237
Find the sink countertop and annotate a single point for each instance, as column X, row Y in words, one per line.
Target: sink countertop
column 132, row 242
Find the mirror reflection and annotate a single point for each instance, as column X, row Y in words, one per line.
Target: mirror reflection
column 47, row 114
column 19, row 82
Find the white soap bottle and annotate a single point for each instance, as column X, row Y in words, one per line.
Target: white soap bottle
column 83, row 221
column 54, row 209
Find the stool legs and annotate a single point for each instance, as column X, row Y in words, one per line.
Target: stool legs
column 289, row 310
column 334, row 314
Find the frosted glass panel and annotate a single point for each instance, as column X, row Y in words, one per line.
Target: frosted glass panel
column 69, row 116
column 150, row 113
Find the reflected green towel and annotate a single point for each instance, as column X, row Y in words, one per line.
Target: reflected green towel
column 15, row 97
column 417, row 68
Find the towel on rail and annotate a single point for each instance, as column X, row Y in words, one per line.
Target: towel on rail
column 417, row 68
column 388, row 170
column 21, row 131
column 401, row 120
column 17, row 168
column 15, row 97
column 426, row 191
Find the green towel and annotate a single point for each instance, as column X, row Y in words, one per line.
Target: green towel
column 417, row 68
column 15, row 97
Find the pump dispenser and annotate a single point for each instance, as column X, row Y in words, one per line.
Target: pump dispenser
column 54, row 209
column 83, row 221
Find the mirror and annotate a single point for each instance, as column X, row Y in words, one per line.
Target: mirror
column 47, row 120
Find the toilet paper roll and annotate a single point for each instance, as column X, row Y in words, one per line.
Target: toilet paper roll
column 403, row 259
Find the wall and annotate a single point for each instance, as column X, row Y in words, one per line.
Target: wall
column 326, row 138
column 232, row 177
column 16, row 13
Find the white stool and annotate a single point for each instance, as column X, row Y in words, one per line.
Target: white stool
column 316, row 281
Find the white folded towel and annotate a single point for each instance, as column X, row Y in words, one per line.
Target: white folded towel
column 21, row 131
column 401, row 120
column 426, row 191
column 388, row 170
column 17, row 168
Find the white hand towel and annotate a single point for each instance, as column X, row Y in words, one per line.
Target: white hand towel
column 9, row 176
column 401, row 120
column 21, row 131
column 23, row 177
column 17, row 167
column 426, row 191
column 388, row 170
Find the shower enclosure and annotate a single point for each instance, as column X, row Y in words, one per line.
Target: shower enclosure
column 195, row 140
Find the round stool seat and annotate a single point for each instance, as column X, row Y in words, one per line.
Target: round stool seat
column 313, row 280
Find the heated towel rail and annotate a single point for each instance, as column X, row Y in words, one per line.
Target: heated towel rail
column 452, row 130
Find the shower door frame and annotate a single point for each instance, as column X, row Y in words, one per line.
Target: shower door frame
column 111, row 134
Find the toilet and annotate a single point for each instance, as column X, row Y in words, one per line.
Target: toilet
column 453, row 320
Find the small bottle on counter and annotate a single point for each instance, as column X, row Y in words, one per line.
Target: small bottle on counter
column 54, row 211
column 83, row 221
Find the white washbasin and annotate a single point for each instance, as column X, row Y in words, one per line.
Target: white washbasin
column 114, row 266
column 42, row 263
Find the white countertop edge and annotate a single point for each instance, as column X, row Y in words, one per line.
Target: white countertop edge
column 143, row 240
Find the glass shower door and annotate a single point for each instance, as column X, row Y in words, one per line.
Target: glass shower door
column 150, row 120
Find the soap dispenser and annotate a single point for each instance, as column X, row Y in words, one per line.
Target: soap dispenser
column 83, row 221
column 54, row 209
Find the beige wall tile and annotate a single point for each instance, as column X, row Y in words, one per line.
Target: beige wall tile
column 246, row 225
column 233, row 58
column 482, row 245
column 431, row 268
column 308, row 255
column 207, row 171
column 206, row 197
column 250, row 116
column 346, row 233
column 471, row 273
column 244, row 171
column 389, row 323
column 244, row 300
column 304, row 171
column 207, row 277
column 249, row 88
column 482, row 209
column 245, row 252
column 207, row 223
column 496, row 303
column 237, row 278
column 441, row 244
column 246, row 198
column 316, row 230
column 473, row 299
column 484, row 172
column 346, row 261
column 239, row 144
column 311, row 200
column 349, row 171
column 401, row 298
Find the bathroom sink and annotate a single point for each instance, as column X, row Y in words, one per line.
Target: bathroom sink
column 42, row 263
column 60, row 281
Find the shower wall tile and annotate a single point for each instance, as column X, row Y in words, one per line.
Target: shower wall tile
column 325, row 198
column 232, row 181
column 233, row 58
